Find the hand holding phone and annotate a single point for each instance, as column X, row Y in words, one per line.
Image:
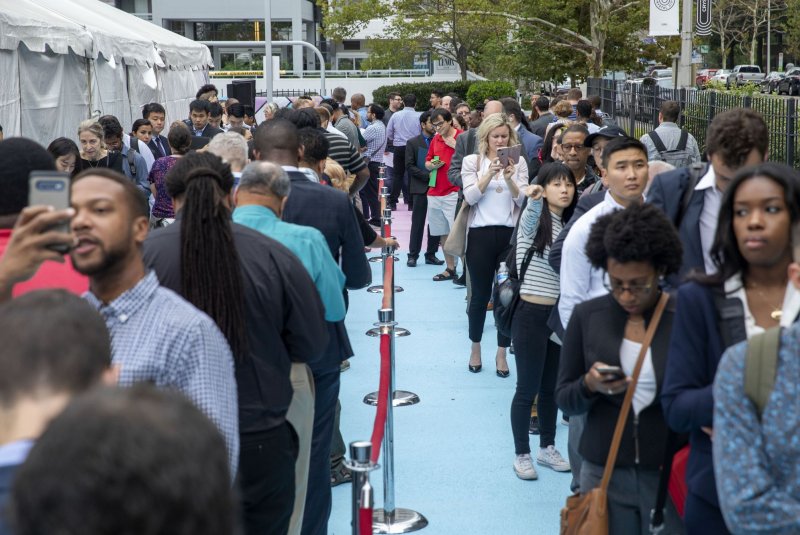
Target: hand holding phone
column 51, row 188
column 604, row 379
column 614, row 373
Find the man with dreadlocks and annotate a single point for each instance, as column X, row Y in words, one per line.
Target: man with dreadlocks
column 265, row 303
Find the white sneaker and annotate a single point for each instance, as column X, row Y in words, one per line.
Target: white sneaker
column 523, row 467
column 550, row 458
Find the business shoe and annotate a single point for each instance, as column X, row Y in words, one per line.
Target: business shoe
column 412, row 261
column 431, row 259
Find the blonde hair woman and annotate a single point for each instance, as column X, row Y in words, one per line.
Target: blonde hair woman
column 94, row 152
column 495, row 194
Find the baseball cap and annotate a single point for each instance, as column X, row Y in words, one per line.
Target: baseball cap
column 609, row 132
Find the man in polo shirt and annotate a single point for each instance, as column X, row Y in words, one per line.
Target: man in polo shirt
column 403, row 126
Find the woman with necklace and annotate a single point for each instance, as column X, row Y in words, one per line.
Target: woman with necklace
column 495, row 193
column 752, row 253
column 94, row 152
column 603, row 345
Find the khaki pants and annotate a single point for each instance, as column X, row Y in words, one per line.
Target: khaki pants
column 301, row 416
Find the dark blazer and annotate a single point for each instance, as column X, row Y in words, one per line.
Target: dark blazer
column 666, row 192
column 154, row 148
column 585, row 203
column 539, row 126
column 6, row 476
column 595, row 333
column 531, row 143
column 418, row 176
column 465, row 145
column 330, row 211
column 695, row 350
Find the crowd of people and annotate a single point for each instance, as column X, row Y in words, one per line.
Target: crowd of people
column 194, row 387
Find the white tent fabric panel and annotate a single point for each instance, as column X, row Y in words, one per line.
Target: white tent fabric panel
column 142, row 88
column 178, row 89
column 110, row 91
column 24, row 21
column 9, row 93
column 53, row 94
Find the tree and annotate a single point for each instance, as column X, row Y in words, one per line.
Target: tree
column 412, row 26
column 726, row 22
column 754, row 15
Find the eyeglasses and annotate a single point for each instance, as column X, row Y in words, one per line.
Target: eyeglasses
column 437, row 125
column 570, row 148
column 636, row 290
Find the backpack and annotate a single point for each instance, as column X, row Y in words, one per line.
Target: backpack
column 679, row 156
column 132, row 160
column 761, row 366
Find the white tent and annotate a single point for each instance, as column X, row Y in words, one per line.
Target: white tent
column 63, row 61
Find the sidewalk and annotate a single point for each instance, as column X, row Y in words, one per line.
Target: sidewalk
column 454, row 450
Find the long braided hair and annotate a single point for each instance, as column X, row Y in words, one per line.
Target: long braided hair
column 211, row 276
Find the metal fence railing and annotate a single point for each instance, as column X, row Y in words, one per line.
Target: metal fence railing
column 634, row 107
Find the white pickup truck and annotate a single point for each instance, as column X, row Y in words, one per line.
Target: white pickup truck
column 744, row 74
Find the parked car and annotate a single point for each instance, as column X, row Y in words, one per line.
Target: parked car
column 743, row 74
column 790, row 85
column 770, row 83
column 722, row 76
column 703, row 76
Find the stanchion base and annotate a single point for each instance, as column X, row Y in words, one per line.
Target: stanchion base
column 380, row 258
column 400, row 521
column 398, row 332
column 379, row 289
column 401, row 398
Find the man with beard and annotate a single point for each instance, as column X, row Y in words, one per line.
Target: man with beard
column 156, row 335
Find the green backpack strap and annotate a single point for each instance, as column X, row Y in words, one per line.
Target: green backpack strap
column 761, row 364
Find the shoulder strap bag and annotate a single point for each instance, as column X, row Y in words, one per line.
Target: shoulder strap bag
column 587, row 514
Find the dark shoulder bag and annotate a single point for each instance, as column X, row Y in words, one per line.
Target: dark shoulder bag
column 506, row 294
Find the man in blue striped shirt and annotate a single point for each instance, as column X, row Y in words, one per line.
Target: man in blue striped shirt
column 156, row 335
column 403, row 125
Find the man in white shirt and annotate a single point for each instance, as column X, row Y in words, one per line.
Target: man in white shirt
column 625, row 161
column 736, row 138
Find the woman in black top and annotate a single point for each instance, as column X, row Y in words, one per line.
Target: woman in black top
column 637, row 247
column 94, row 152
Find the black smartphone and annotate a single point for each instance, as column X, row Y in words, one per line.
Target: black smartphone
column 51, row 188
column 615, row 371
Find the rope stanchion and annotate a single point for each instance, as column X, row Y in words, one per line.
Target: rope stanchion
column 390, row 519
column 361, row 466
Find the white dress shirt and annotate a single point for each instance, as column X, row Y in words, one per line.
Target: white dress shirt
column 143, row 149
column 579, row 280
column 712, row 201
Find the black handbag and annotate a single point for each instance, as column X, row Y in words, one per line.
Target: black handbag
column 506, row 294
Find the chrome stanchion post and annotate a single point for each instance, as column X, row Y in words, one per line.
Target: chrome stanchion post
column 391, row 519
column 361, row 466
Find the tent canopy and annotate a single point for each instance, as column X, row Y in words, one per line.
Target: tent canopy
column 92, row 28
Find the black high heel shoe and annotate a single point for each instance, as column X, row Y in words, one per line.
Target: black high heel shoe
column 476, row 368
column 501, row 373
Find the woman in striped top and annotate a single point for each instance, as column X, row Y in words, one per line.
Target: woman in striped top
column 551, row 202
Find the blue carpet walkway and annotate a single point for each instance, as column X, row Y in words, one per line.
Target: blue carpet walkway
column 454, row 450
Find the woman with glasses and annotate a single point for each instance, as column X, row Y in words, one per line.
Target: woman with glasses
column 637, row 247
column 494, row 189
column 751, row 253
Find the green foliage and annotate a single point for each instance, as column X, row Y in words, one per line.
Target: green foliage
column 421, row 90
column 480, row 91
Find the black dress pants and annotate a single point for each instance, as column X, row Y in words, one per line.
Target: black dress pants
column 399, row 176
column 266, row 477
column 370, row 203
column 536, row 356
column 486, row 248
column 418, row 226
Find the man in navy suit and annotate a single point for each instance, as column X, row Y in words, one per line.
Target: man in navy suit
column 531, row 143
column 736, row 138
column 331, row 212
column 41, row 373
column 199, row 127
column 157, row 115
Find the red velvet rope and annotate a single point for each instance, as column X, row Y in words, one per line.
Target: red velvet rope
column 365, row 521
column 379, row 427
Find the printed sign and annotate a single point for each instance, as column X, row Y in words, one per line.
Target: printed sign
column 664, row 17
column 703, row 26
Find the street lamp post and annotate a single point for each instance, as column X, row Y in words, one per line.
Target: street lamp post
column 268, row 47
column 769, row 34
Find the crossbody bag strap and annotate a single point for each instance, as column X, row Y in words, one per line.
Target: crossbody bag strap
column 626, row 404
